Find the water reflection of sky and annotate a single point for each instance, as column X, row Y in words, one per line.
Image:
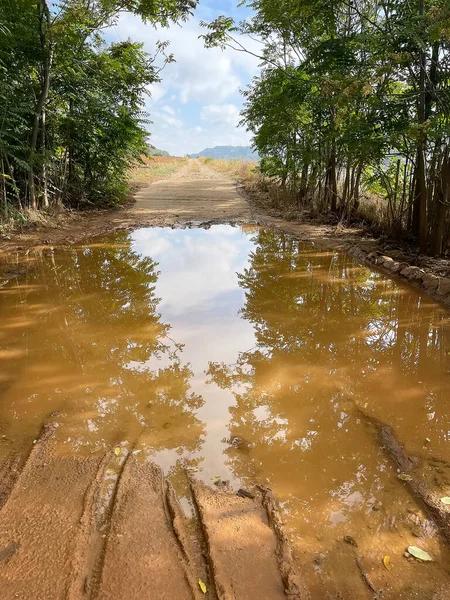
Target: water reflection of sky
column 198, row 287
column 201, row 300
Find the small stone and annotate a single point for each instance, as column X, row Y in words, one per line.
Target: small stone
column 444, row 286
column 398, row 267
column 221, row 482
column 430, row 282
column 412, row 273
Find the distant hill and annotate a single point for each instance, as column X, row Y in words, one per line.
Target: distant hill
column 228, row 153
column 152, row 151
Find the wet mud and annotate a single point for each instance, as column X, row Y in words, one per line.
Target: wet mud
column 175, row 398
column 57, row 541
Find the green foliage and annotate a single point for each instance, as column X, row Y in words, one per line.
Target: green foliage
column 351, row 94
column 81, row 99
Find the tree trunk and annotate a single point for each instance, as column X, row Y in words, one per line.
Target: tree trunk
column 330, row 196
column 346, row 186
column 333, row 181
column 4, row 194
column 442, row 203
column 394, row 200
column 45, row 202
column 420, row 221
column 303, row 183
column 44, row 24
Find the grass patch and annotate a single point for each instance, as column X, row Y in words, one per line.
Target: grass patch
column 244, row 170
column 156, row 168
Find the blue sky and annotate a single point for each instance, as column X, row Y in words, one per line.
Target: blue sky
column 197, row 103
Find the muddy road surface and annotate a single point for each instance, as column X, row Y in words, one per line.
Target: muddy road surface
column 110, row 527
column 192, row 193
column 199, row 409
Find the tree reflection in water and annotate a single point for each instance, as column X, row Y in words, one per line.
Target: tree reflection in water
column 335, row 341
column 93, row 347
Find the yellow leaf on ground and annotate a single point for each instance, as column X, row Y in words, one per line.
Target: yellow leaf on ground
column 117, row 451
column 387, row 563
column 202, row 586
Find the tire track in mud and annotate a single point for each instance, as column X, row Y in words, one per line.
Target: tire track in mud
column 89, row 544
column 15, row 464
column 293, row 585
column 248, row 557
column 101, row 527
column 141, row 553
column 103, row 512
column 195, row 564
column 39, row 520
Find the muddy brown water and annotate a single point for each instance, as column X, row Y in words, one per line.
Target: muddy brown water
column 247, row 357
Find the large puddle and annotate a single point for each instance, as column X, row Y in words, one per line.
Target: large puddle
column 242, row 355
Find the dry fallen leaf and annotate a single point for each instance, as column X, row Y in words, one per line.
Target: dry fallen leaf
column 419, row 553
column 387, row 563
column 202, row 586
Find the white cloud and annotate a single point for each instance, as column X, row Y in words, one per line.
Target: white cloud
column 197, row 103
column 221, row 114
column 169, row 110
column 198, row 74
column 156, row 91
column 165, row 119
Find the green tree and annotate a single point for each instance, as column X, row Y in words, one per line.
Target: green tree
column 71, row 109
column 353, row 103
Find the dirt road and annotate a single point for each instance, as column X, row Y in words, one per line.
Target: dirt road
column 196, row 193
column 110, row 528
column 193, row 193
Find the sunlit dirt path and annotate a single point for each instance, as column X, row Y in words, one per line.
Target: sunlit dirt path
column 192, row 193
column 195, row 192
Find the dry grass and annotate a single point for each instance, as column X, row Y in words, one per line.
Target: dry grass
column 244, row 170
column 271, row 197
column 156, row 168
column 32, row 219
column 263, row 191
